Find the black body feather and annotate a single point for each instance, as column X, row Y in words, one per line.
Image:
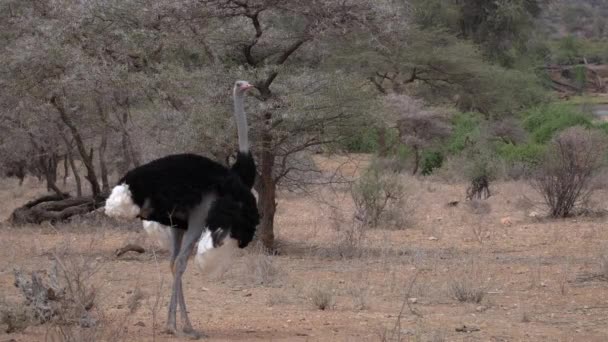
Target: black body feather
column 245, row 168
column 167, row 189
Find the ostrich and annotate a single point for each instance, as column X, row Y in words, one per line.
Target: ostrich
column 200, row 200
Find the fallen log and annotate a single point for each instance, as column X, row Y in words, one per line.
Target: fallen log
column 54, row 208
column 129, row 248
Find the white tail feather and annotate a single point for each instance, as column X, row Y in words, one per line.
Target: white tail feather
column 215, row 260
column 120, row 203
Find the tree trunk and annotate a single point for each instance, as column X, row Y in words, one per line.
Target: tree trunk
column 87, row 158
column 130, row 157
column 48, row 165
column 126, row 156
column 267, row 198
column 66, row 169
column 416, row 160
column 382, row 149
column 105, row 184
column 268, row 206
column 103, row 145
column 70, row 157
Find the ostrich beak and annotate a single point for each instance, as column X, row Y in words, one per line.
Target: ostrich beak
column 247, row 86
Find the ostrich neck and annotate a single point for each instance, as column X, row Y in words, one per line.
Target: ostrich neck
column 241, row 121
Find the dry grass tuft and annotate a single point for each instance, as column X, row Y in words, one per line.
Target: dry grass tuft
column 467, row 285
column 322, row 298
column 134, row 301
column 65, row 299
column 466, row 291
column 262, row 268
column 14, row 317
column 360, row 296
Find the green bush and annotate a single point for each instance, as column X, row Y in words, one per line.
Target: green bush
column 529, row 153
column 465, row 129
column 603, row 127
column 364, row 141
column 544, row 122
column 431, row 160
column 571, row 50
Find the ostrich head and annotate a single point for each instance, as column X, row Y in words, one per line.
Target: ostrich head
column 240, row 87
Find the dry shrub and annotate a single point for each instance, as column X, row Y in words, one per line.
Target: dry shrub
column 14, row 317
column 565, row 176
column 360, row 292
column 467, row 291
column 351, row 239
column 322, row 297
column 480, row 210
column 380, row 196
column 467, row 285
column 64, row 298
column 261, row 267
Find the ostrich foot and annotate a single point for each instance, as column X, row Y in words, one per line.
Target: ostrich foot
column 171, row 329
column 193, row 334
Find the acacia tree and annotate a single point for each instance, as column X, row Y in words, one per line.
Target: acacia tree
column 279, row 44
column 419, row 127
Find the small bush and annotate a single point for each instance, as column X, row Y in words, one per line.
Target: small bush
column 565, row 176
column 431, row 161
column 323, row 298
column 465, row 129
column 15, row 317
column 359, row 290
column 365, row 141
column 261, row 266
column 374, row 193
column 351, row 239
column 466, row 291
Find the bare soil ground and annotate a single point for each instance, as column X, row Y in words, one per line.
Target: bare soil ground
column 538, row 279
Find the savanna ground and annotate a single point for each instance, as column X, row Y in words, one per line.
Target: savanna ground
column 535, row 279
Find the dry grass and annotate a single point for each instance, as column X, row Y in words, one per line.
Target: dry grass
column 467, row 291
column 261, row 267
column 360, row 294
column 467, row 284
column 15, row 317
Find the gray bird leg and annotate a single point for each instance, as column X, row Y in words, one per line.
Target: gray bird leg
column 176, row 237
column 196, row 224
column 188, row 244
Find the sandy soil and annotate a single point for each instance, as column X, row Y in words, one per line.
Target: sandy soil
column 540, row 279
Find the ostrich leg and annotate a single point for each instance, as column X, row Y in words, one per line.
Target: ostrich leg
column 188, row 246
column 196, row 224
column 176, row 236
